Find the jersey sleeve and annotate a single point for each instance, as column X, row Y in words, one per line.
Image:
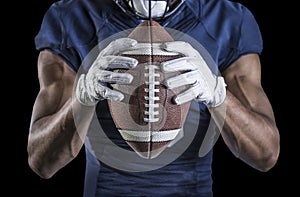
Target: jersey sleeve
column 250, row 38
column 51, row 36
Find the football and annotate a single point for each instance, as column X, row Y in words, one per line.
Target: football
column 146, row 118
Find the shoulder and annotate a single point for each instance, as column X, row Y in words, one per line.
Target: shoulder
column 222, row 4
column 62, row 4
column 223, row 10
column 77, row 17
column 213, row 6
column 81, row 8
column 220, row 17
column 224, row 19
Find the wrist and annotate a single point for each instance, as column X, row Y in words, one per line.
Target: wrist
column 219, row 94
column 81, row 93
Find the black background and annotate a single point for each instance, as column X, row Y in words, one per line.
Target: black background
column 231, row 176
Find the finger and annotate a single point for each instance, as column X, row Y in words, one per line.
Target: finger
column 187, row 95
column 181, row 47
column 182, row 79
column 189, row 64
column 115, row 62
column 107, row 93
column 117, row 46
column 113, row 77
column 180, row 64
column 201, row 98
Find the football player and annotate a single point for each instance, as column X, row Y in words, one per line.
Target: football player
column 76, row 40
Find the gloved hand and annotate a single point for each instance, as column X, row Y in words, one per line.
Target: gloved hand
column 92, row 86
column 205, row 86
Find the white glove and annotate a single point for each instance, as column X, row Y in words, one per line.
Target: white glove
column 92, row 87
column 205, row 86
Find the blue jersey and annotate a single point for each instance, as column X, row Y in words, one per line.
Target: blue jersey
column 227, row 30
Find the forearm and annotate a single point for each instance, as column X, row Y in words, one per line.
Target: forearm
column 250, row 135
column 55, row 140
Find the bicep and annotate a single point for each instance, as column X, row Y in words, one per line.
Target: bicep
column 56, row 85
column 243, row 79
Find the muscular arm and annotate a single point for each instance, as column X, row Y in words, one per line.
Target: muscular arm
column 249, row 128
column 54, row 139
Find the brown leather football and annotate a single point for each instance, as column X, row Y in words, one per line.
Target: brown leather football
column 147, row 119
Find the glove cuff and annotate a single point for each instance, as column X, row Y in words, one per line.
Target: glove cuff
column 82, row 94
column 219, row 93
